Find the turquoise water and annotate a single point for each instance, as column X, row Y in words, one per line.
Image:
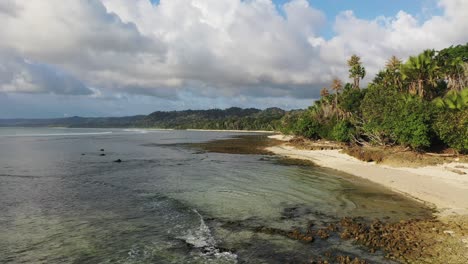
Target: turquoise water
column 63, row 200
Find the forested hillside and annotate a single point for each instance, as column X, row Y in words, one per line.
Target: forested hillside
column 231, row 118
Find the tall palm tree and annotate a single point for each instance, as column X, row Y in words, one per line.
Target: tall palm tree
column 337, row 86
column 393, row 74
column 356, row 70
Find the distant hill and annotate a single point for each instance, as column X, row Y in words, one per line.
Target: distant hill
column 232, row 118
column 75, row 121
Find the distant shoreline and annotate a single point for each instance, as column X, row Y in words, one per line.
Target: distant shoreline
column 437, row 185
column 148, row 128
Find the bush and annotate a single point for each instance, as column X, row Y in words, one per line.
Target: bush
column 396, row 117
column 287, row 124
column 451, row 126
column 307, row 126
column 342, row 131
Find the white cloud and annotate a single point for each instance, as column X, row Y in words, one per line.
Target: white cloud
column 208, row 47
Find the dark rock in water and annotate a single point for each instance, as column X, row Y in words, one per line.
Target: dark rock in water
column 102, row 154
column 82, row 154
column 118, row 160
column 102, row 149
column 294, row 212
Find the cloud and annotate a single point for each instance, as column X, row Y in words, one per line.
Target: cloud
column 208, row 48
column 18, row 75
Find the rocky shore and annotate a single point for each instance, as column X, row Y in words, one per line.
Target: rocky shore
column 443, row 239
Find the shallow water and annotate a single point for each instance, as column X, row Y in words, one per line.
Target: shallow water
column 168, row 201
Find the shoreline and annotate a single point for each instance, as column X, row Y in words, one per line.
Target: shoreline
column 231, row 130
column 436, row 186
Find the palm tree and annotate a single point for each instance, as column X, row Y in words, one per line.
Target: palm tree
column 324, row 92
column 393, row 74
column 356, row 70
column 453, row 100
column 421, row 72
column 337, row 86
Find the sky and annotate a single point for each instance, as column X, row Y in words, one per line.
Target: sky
column 125, row 57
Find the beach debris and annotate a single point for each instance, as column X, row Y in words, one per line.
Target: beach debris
column 449, row 232
column 102, row 155
column 101, row 150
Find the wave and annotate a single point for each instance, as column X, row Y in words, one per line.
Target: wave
column 141, row 131
column 146, row 130
column 202, row 239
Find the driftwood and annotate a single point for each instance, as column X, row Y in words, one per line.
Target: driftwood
column 441, row 155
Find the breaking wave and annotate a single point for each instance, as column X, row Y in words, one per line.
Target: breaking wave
column 202, row 239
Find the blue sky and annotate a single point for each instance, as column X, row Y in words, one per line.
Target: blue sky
column 366, row 9
column 369, row 9
column 124, row 57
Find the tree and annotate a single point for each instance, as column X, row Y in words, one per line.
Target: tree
column 453, row 100
column 356, row 70
column 324, row 92
column 337, row 86
column 453, row 62
column 421, row 73
column 393, row 72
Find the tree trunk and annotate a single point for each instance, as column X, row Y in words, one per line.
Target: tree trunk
column 420, row 88
column 356, row 83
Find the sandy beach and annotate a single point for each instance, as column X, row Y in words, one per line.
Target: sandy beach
column 437, row 186
column 228, row 130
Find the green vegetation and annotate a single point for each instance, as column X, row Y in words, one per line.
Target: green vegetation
column 419, row 103
column 232, row 119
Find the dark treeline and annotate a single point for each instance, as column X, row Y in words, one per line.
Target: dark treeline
column 232, row 118
column 420, row 103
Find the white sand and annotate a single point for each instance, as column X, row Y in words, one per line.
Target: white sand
column 237, row 131
column 447, row 191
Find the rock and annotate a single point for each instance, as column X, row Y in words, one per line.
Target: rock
column 102, row 154
column 102, row 150
column 118, row 160
column 323, row 233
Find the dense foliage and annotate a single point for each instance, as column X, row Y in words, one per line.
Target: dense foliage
column 416, row 103
column 232, row 119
